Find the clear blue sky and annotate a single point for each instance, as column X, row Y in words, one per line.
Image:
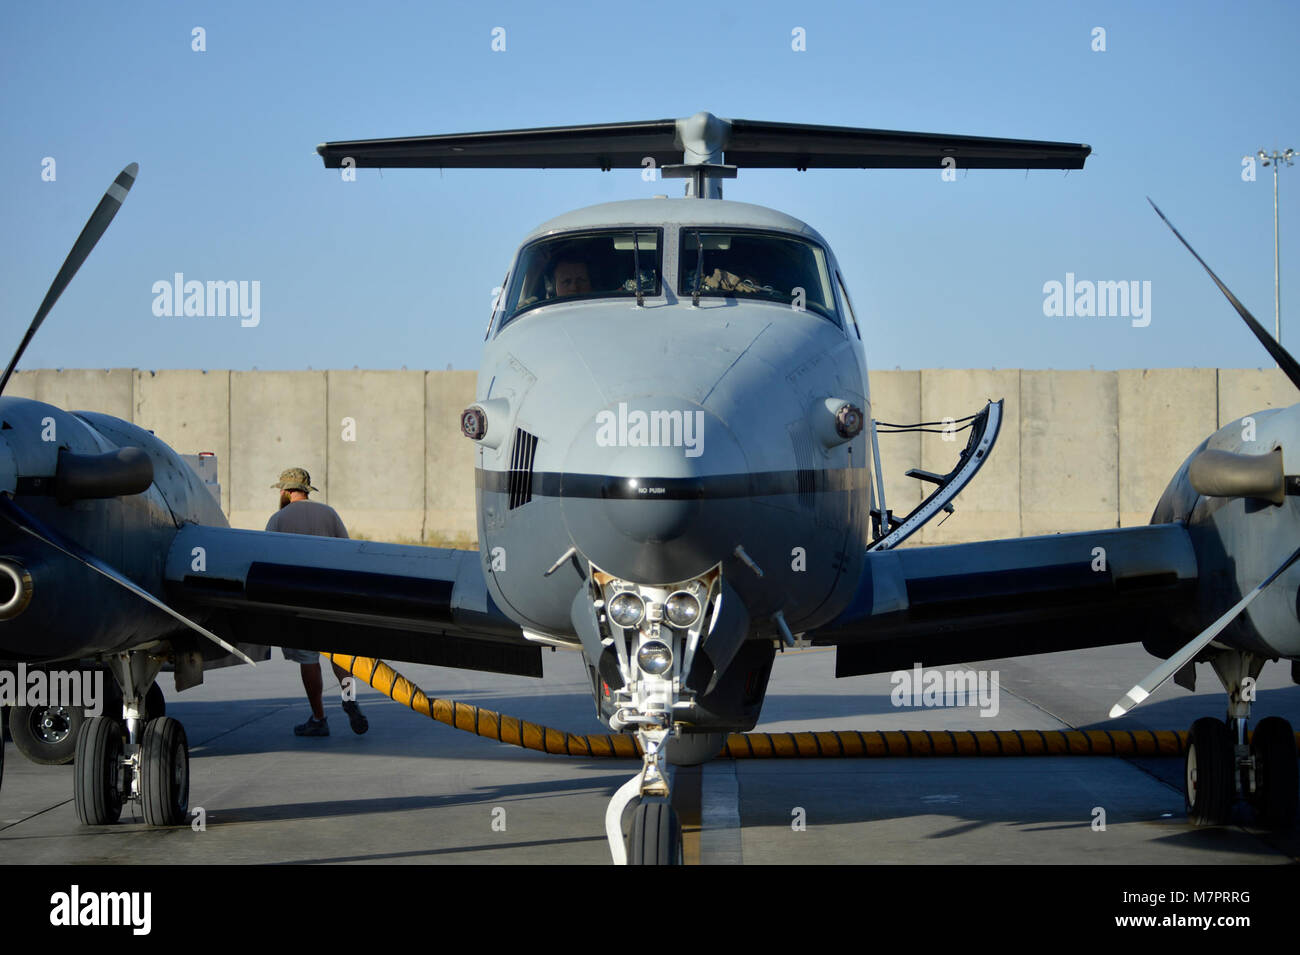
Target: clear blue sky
column 397, row 269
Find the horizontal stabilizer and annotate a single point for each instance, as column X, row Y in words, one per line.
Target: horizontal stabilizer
column 737, row 142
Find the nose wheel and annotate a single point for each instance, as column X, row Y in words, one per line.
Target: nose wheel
column 656, row 836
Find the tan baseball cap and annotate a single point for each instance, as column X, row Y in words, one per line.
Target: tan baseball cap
column 295, row 479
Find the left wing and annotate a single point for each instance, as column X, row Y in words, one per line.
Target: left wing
column 1006, row 598
column 419, row 604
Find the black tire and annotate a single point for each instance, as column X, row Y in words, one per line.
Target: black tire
column 164, row 772
column 1209, row 781
column 656, row 836
column 97, row 779
column 1277, row 773
column 47, row 734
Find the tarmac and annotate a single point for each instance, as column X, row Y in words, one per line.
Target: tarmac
column 415, row 791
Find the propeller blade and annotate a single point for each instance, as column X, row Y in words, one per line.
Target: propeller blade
column 94, row 229
column 1274, row 347
column 1156, row 678
column 28, row 524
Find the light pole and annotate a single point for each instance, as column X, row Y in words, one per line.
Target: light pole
column 1275, row 159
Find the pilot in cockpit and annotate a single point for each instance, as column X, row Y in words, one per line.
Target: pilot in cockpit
column 570, row 276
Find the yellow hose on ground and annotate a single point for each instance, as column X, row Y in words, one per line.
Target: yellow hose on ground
column 840, row 743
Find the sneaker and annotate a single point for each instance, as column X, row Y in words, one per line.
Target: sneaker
column 313, row 727
column 358, row 719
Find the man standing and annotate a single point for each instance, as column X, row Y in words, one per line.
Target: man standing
column 297, row 515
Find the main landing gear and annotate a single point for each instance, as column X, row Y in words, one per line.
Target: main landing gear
column 135, row 758
column 1221, row 765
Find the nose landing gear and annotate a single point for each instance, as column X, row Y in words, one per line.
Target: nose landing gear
column 655, row 834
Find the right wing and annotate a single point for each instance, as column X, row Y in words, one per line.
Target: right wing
column 418, row 604
column 1007, row 598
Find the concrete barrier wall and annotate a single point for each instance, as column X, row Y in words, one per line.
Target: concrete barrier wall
column 1078, row 449
column 376, row 453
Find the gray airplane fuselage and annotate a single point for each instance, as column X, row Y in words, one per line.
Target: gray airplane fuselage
column 753, row 376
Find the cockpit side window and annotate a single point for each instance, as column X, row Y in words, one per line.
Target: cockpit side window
column 848, row 305
column 763, row 265
column 574, row 266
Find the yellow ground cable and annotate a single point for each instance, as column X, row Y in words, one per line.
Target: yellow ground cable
column 826, row 745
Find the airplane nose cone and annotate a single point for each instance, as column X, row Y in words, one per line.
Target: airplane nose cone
column 654, row 489
column 659, row 504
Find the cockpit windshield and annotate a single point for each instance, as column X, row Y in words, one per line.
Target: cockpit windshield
column 585, row 265
column 765, row 265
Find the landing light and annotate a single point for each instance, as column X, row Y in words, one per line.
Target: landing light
column 848, row 421
column 654, row 658
column 682, row 609
column 626, row 609
column 473, row 423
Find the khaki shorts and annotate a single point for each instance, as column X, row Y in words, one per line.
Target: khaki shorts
column 301, row 656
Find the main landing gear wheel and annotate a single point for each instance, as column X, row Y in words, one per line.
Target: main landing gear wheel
column 1211, row 765
column 47, row 734
column 97, row 787
column 1277, row 775
column 656, row 836
column 164, row 772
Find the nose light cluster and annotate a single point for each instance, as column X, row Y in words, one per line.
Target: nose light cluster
column 848, row 421
column 473, row 423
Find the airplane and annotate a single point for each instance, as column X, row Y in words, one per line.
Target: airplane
column 676, row 473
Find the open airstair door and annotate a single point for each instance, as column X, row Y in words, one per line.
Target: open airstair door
column 984, row 428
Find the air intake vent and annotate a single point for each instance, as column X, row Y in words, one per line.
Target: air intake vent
column 806, row 464
column 521, row 468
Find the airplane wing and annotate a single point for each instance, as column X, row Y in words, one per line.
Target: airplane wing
column 1006, row 598
column 418, row 604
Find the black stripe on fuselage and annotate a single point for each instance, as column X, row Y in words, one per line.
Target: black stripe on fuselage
column 704, row 487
